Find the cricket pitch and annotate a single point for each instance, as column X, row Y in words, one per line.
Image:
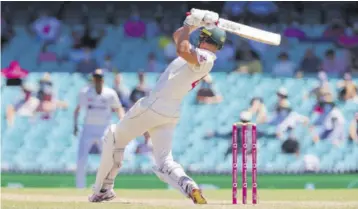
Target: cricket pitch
column 168, row 199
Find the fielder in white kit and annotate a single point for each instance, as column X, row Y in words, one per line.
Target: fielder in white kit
column 99, row 102
column 158, row 112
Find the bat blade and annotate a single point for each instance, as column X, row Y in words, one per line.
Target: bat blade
column 249, row 32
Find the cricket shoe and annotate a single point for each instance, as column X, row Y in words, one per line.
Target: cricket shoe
column 104, row 195
column 197, row 197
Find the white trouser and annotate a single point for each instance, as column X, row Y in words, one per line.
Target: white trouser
column 140, row 118
column 90, row 135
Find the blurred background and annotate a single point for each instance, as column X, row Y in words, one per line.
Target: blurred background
column 302, row 94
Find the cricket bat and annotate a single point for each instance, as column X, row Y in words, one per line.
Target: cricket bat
column 248, row 32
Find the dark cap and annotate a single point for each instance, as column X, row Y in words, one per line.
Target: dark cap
column 98, row 73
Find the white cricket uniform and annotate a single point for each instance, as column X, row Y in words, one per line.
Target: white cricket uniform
column 158, row 114
column 98, row 116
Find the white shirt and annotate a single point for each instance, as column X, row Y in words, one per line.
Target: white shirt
column 335, row 121
column 178, row 79
column 27, row 108
column 292, row 120
column 98, row 106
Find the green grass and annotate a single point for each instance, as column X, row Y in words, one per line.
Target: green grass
column 166, row 199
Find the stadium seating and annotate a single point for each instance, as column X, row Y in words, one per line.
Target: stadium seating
column 33, row 144
column 50, row 145
column 129, row 54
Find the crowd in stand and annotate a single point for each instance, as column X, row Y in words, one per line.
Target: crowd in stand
column 246, row 56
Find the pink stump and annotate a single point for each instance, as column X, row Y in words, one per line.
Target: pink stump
column 234, row 164
column 244, row 161
column 254, row 164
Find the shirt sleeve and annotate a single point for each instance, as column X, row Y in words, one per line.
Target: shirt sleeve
column 205, row 60
column 300, row 118
column 82, row 100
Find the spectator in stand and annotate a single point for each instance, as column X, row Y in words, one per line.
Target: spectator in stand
column 48, row 105
column 286, row 120
column 334, row 30
column 140, row 90
column 282, row 95
column 322, row 89
column 107, row 65
column 250, row 63
column 350, row 44
column 207, row 93
column 353, row 129
column 333, row 65
column 284, row 66
column 46, row 55
column 310, row 161
column 48, row 102
column 135, row 27
column 258, row 110
column 348, row 89
column 89, row 40
column 25, row 107
column 47, row 28
column 88, row 64
column 153, row 65
column 290, row 146
column 122, row 91
column 310, row 63
column 331, row 123
column 281, row 111
column 45, row 84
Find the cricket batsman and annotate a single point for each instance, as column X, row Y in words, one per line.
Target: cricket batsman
column 99, row 102
column 159, row 112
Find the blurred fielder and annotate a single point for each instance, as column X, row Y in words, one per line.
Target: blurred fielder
column 158, row 112
column 99, row 102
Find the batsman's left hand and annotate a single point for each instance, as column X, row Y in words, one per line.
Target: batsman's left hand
column 194, row 19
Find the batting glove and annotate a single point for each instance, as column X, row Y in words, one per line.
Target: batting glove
column 210, row 19
column 195, row 18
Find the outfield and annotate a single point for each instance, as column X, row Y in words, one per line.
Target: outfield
column 165, row 199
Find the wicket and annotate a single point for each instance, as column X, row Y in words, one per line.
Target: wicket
column 244, row 128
